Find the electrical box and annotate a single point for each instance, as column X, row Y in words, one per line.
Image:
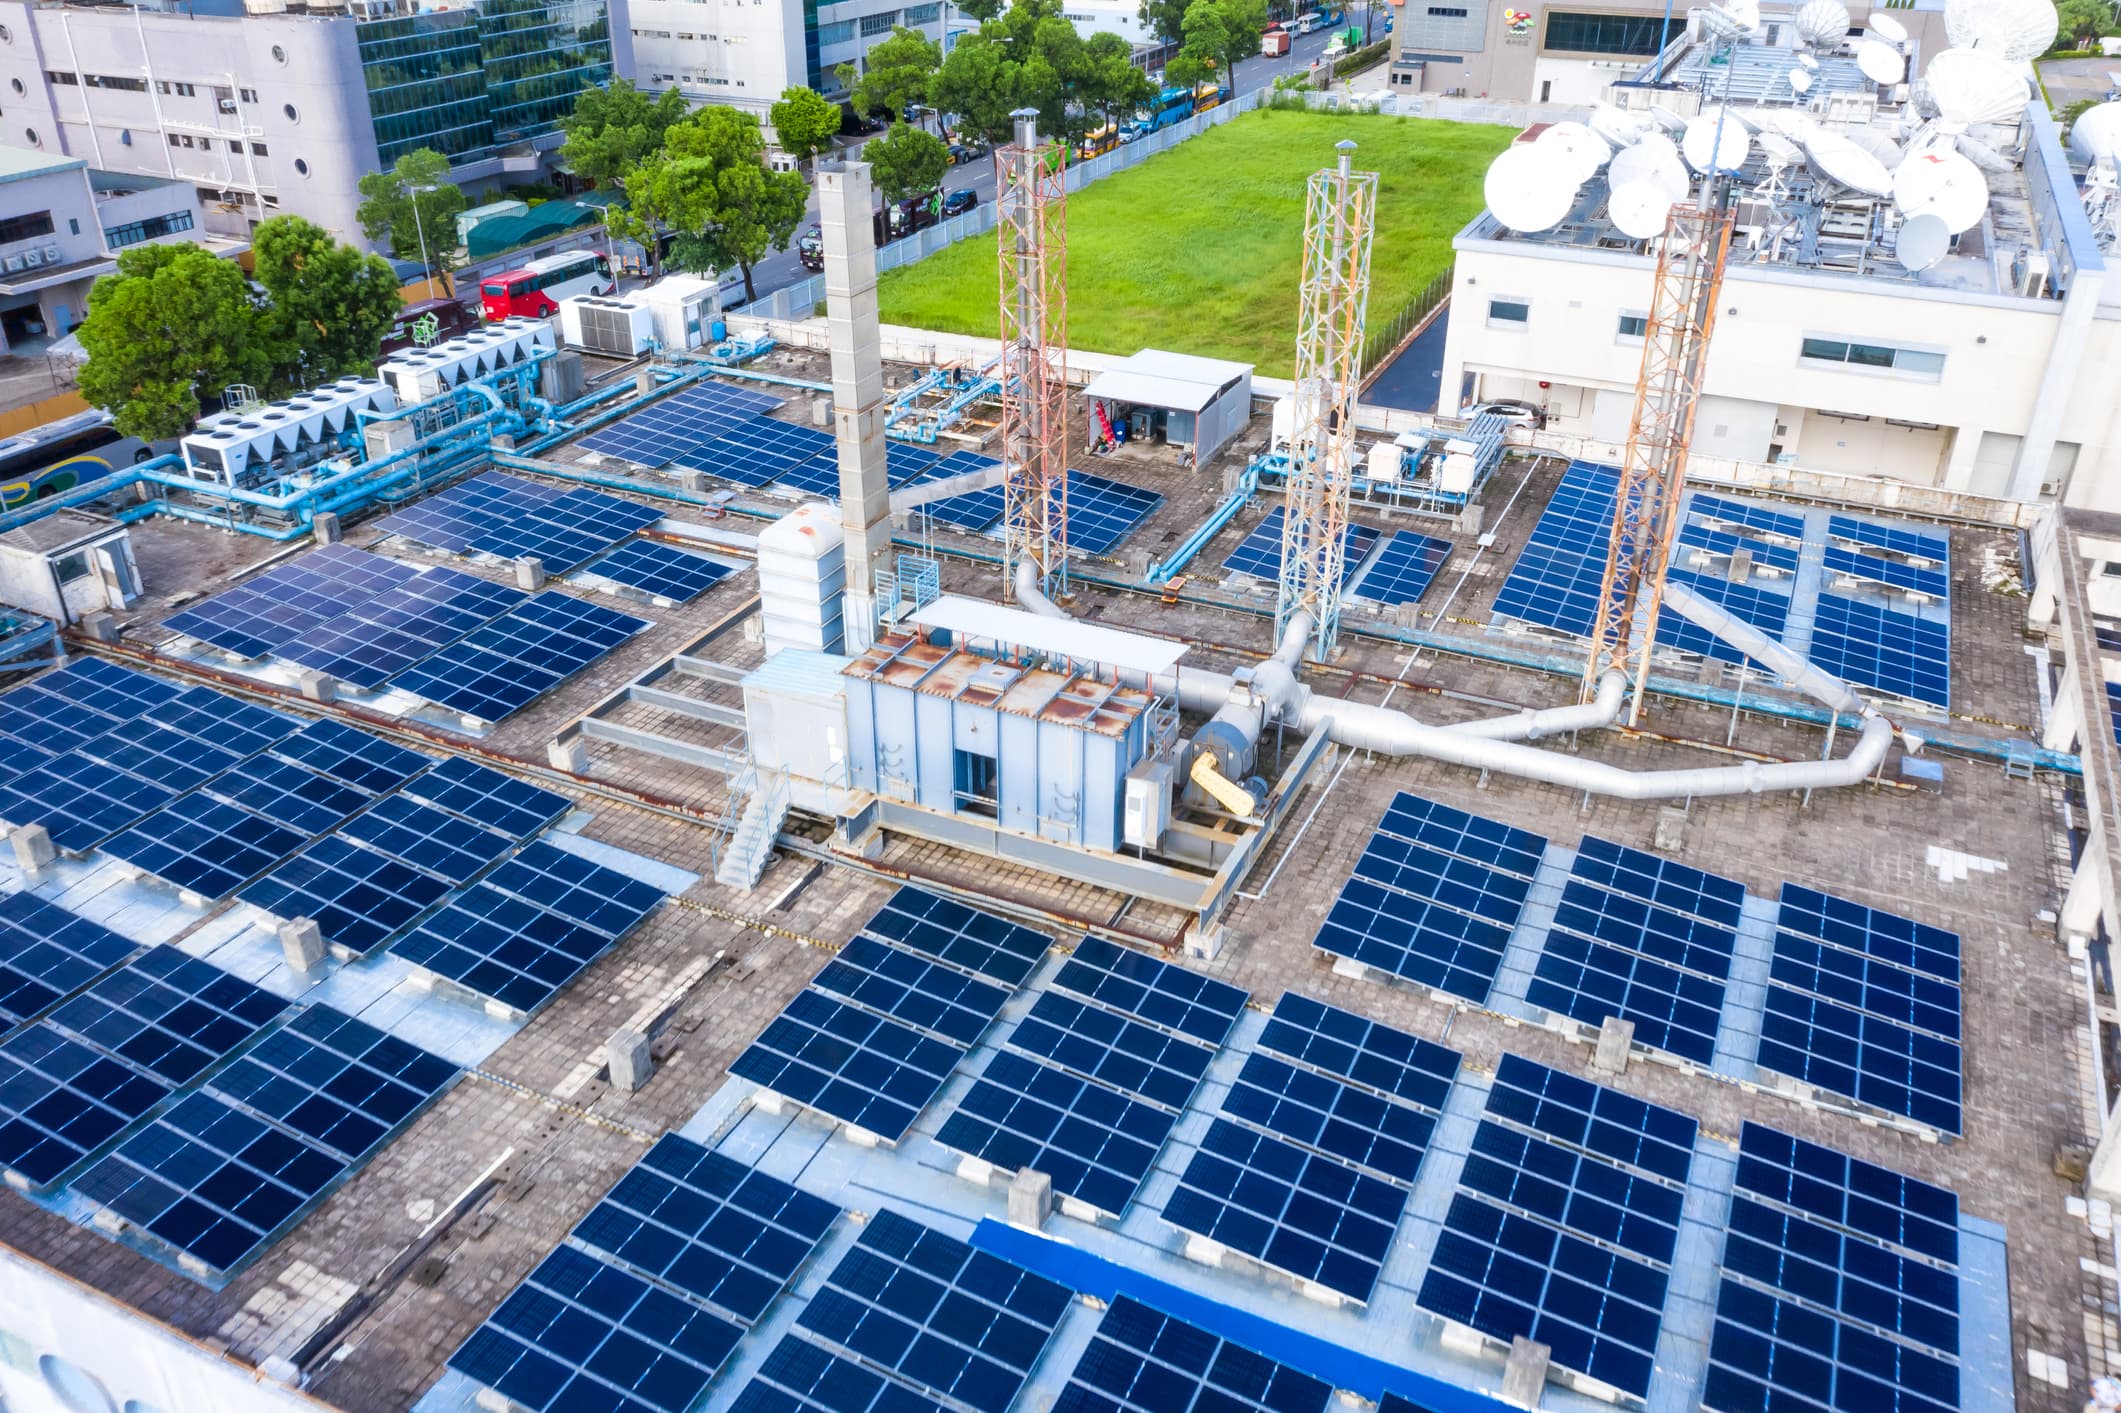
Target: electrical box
column 1148, row 804
column 1382, row 462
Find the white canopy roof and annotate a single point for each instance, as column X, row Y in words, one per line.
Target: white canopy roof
column 1064, row 637
column 1178, row 381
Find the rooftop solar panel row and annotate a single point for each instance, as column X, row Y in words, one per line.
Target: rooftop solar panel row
column 1259, row 555
column 676, row 427
column 1144, row 1361
column 47, row 953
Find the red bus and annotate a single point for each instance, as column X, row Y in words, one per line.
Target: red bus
column 537, row 288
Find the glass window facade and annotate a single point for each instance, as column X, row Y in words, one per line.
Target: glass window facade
column 465, row 82
column 1913, row 362
column 155, row 227
column 1581, row 33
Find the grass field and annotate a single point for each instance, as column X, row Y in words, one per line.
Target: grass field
column 1199, row 249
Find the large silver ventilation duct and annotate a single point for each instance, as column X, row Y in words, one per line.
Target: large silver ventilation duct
column 1799, row 672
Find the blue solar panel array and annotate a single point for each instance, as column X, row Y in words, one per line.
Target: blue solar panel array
column 1102, row 512
column 1715, row 511
column 661, row 571
column 1434, row 897
column 974, row 510
column 1644, row 939
column 520, row 656
column 679, row 426
column 1403, row 569
column 1898, row 654
column 761, row 451
column 368, row 645
column 1932, row 546
column 1892, row 573
column 1866, row 1004
column 1765, row 605
column 485, row 796
column 511, row 518
column 1840, row 1286
column 453, row 518
column 1556, row 579
column 1260, row 553
column 344, row 753
column 358, row 898
column 291, row 601
column 1310, row 1168
column 1092, row 1081
column 1565, row 1223
column 1144, row 1361
column 47, row 954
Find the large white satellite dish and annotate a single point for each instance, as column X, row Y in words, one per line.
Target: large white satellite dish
column 1969, row 87
column 1808, row 61
column 1838, row 159
column 1888, row 152
column 1800, row 80
column 1580, row 151
column 1887, row 28
column 2016, row 30
column 1779, row 150
column 1880, row 61
column 1617, row 125
column 1639, row 208
column 1922, row 242
column 1653, row 159
column 1529, row 189
column 1823, row 22
column 1791, row 123
column 1939, row 182
column 1709, row 144
column 2096, row 133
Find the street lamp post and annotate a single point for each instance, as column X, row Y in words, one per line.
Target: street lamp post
column 421, row 231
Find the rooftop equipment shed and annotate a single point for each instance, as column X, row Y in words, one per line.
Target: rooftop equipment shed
column 1199, row 404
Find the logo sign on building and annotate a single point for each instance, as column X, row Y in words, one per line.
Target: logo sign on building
column 1517, row 21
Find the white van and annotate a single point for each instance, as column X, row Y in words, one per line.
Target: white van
column 1308, row 21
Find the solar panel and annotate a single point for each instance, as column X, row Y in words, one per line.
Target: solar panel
column 601, row 899
column 907, row 462
column 1096, row 1143
column 485, row 796
column 972, row 511
column 1898, row 539
column 965, row 937
column 1717, row 543
column 1893, row 573
column 46, row 953
column 1377, row 1057
column 375, row 641
column 1403, row 569
column 1849, row 1193
column 1565, row 1222
column 677, row 425
column 891, row 981
column 237, row 726
column 948, row 1320
column 117, row 691
column 2108, row 636
column 1750, row 514
column 150, row 751
column 431, row 840
column 562, row 533
column 1143, row 1361
column 353, row 756
column 1114, row 1049
column 79, row 801
column 852, row 1064
column 760, row 451
column 63, row 710
column 1260, row 553
column 1102, row 512
column 340, row 1083
column 290, row 795
column 358, row 898
column 169, row 1015
column 664, row 572
column 205, row 846
column 34, row 715
column 452, row 518
column 799, row 1377
column 1434, row 897
column 707, row 1225
column 498, row 946
column 1898, row 654
column 61, row 1100
column 291, row 601
column 1765, row 606
column 520, row 656
column 1162, row 993
column 1556, row 580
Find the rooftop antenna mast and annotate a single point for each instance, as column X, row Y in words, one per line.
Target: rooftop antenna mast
column 1031, row 201
column 1338, row 223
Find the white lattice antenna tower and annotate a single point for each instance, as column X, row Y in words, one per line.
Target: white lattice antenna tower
column 1338, row 223
column 1031, row 203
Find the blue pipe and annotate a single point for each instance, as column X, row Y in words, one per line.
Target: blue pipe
column 1247, row 484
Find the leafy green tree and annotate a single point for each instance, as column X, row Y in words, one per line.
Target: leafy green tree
column 1108, row 82
column 1029, row 58
column 906, row 162
column 328, row 304
column 172, row 323
column 804, row 123
column 710, row 187
column 982, row 10
column 412, row 209
column 1221, row 33
column 612, row 129
column 2084, row 21
column 1167, row 18
column 898, row 73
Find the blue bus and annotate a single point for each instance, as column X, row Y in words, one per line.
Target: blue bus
column 1173, row 105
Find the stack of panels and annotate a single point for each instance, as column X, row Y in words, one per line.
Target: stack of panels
column 663, row 572
column 680, row 426
column 954, row 1325
column 665, row 1275
column 485, row 796
column 1434, row 897
column 528, row 929
column 1102, row 512
column 1565, row 1222
column 1556, row 579
column 1403, row 570
column 1310, row 1169
column 292, row 601
column 1840, row 1286
column 1260, row 553
column 47, row 954
column 1092, row 1082
column 520, row 656
column 1644, row 939
column 368, row 645
column 1898, row 654
column 1866, row 1004
column 762, row 451
column 1144, row 1361
column 873, row 1039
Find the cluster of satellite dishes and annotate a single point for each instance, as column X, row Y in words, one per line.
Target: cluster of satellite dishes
column 1930, row 167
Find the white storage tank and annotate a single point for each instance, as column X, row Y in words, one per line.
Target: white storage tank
column 803, row 580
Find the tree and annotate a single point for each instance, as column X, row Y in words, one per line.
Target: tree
column 328, row 304
column 1167, row 18
column 413, row 209
column 897, row 74
column 2084, row 21
column 612, row 129
column 1221, row 33
column 710, row 186
column 1030, row 57
column 982, row 10
column 1110, row 83
column 172, row 323
column 804, row 123
column 906, row 162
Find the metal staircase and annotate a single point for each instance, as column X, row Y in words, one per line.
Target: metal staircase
column 742, row 860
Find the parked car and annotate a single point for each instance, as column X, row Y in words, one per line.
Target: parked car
column 958, row 202
column 810, row 249
column 1522, row 413
column 959, row 154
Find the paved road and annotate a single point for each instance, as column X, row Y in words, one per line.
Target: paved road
column 1413, row 380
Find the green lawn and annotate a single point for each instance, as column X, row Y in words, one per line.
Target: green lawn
column 1199, row 249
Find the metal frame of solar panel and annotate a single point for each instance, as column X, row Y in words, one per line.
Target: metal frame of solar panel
column 663, row 572
column 760, row 451
column 368, row 645
column 1645, row 939
column 512, row 661
column 1434, row 897
column 353, row 756
column 48, row 953
column 1898, row 654
column 487, row 797
column 1840, row 1286
column 429, row 839
column 1259, row 555
column 1565, row 1223
column 1102, row 512
column 679, row 424
column 289, row 601
column 1403, row 569
column 1144, row 1361
column 358, row 898
column 1866, row 1004
column 1556, row 580
column 957, row 1324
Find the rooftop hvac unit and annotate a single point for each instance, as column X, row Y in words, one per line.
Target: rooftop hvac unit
column 2030, row 271
column 31, row 259
column 599, row 324
column 12, row 264
column 228, row 105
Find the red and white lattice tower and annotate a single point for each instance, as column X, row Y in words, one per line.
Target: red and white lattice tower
column 1675, row 349
column 1031, row 203
column 1338, row 222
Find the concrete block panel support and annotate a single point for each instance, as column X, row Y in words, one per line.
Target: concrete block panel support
column 1030, row 1198
column 302, row 943
column 627, row 1055
column 853, row 331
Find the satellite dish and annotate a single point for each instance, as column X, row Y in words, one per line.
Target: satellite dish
column 1823, row 22
column 1880, row 61
column 2096, row 133
column 1654, row 159
column 1800, row 80
column 1528, row 188
column 1968, row 87
column 1712, row 145
column 1779, row 150
column 1923, row 241
column 1888, row 152
column 1987, row 158
column 1843, row 161
column 1939, row 182
column 1887, row 28
column 1668, row 120
column 1792, row 124
column 1809, row 62
column 1639, row 208
column 2015, row 30
column 1579, row 150
column 1618, row 126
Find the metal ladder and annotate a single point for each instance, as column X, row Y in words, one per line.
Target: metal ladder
column 742, row 861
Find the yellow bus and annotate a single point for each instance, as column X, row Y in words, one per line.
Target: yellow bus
column 1098, row 143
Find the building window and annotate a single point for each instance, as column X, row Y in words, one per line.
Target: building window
column 257, row 149
column 55, row 76
column 923, row 14
column 1913, row 363
column 14, row 228
column 879, row 24
column 1633, row 326
column 69, row 568
column 154, row 228
column 186, row 90
column 1509, row 312
column 1447, row 12
column 73, row 226
column 250, row 95
column 1640, row 35
column 129, row 85
column 839, row 33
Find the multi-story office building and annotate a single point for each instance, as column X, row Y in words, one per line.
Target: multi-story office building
column 284, row 108
column 745, row 54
